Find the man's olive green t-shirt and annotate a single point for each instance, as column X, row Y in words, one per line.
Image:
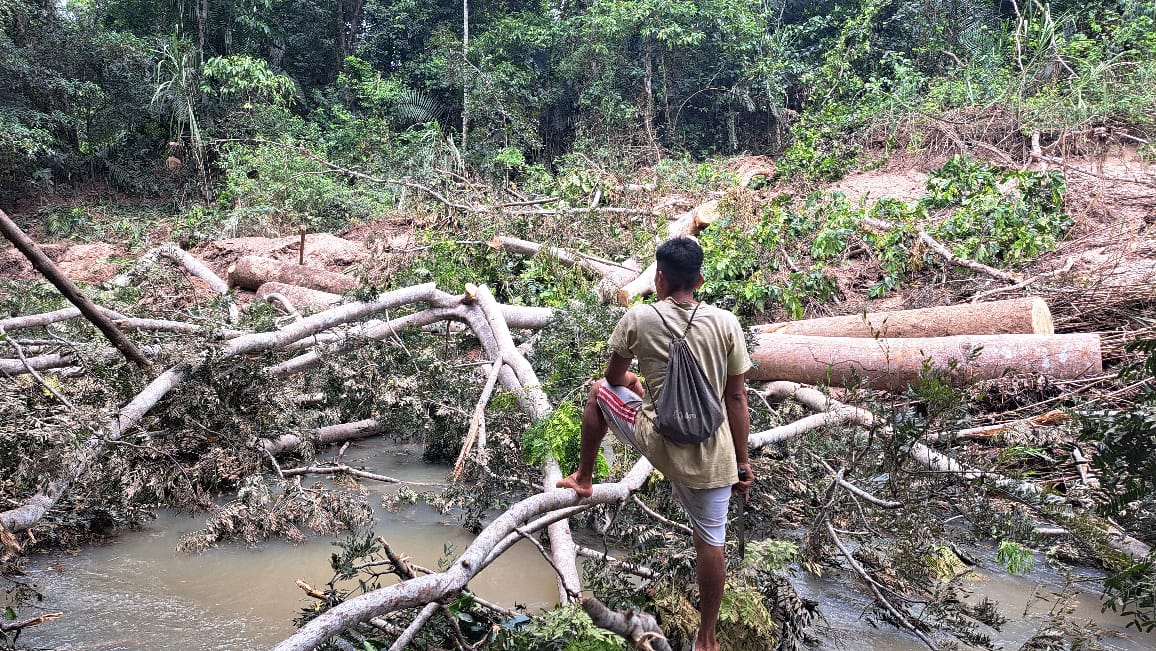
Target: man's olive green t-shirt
column 718, row 343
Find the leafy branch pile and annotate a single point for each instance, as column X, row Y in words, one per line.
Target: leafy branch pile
column 782, row 254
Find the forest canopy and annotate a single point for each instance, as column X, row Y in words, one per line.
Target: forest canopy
column 110, row 89
column 469, row 193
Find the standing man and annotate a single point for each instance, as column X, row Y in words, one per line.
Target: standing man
column 701, row 474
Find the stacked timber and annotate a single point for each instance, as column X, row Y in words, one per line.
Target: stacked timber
column 889, row 350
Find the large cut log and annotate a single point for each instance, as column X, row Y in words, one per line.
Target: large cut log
column 250, row 272
column 1016, row 316
column 299, row 297
column 689, row 224
column 895, row 364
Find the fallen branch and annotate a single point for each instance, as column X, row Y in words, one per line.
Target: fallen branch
column 477, row 423
column 70, row 291
column 637, row 627
column 1024, row 283
column 1024, row 491
column 945, row 253
column 341, row 468
column 187, row 261
column 637, row 570
column 900, row 619
column 19, row 624
column 613, row 274
column 658, row 517
column 34, row 508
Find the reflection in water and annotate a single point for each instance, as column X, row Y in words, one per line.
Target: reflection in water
column 139, row 594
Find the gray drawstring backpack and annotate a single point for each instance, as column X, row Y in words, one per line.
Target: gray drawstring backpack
column 687, row 409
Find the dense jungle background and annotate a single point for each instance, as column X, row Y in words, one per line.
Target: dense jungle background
column 479, row 187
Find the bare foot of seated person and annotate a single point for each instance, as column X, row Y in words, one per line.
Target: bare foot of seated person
column 584, row 486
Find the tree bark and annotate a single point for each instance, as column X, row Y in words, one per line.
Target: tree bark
column 1016, row 316
column 637, row 627
column 895, row 364
column 300, row 297
column 250, row 272
column 689, row 224
column 327, row 435
column 45, row 266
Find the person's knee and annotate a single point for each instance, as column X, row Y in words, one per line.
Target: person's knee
column 592, row 398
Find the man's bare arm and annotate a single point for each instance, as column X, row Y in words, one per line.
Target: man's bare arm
column 618, row 373
column 739, row 419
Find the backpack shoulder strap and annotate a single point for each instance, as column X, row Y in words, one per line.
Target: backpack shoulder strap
column 691, row 319
column 673, row 332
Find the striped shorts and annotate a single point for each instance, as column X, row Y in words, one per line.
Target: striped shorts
column 706, row 508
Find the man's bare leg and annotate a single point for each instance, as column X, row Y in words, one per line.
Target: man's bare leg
column 593, row 431
column 710, row 571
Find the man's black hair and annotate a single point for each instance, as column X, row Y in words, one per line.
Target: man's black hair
column 680, row 260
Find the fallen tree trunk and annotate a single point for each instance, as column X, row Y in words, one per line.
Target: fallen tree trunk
column 613, row 274
column 69, row 290
column 444, row 308
column 325, row 436
column 689, row 224
column 187, row 261
column 1016, row 316
column 894, row 364
column 250, row 272
column 300, row 297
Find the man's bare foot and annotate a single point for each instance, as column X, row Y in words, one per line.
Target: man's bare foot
column 703, row 644
column 584, row 487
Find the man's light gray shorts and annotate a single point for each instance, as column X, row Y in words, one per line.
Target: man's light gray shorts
column 706, row 508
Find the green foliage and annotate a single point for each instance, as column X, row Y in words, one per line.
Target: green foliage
column 1131, row 593
column 565, row 628
column 994, row 215
column 557, row 436
column 744, row 620
column 1016, row 558
column 243, row 78
column 992, row 226
column 271, row 189
column 1126, row 439
column 770, row 555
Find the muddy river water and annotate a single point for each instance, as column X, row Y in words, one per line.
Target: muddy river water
column 137, row 593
